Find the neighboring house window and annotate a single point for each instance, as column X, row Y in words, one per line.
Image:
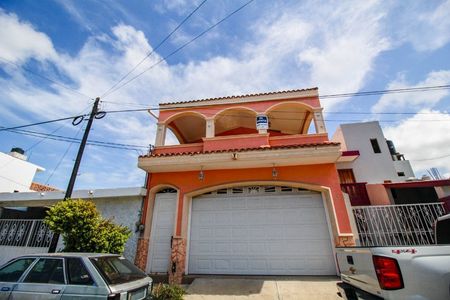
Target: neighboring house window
column 401, row 173
column 346, row 176
column 46, row 270
column 375, row 146
column 13, row 271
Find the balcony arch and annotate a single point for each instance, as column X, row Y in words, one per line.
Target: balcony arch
column 188, row 127
column 234, row 121
column 290, row 117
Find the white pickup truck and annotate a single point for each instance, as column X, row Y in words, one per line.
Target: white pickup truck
column 397, row 272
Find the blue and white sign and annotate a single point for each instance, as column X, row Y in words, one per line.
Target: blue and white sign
column 262, row 122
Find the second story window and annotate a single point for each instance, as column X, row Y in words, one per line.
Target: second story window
column 375, row 146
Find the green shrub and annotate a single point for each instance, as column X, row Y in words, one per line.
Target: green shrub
column 84, row 230
column 167, row 292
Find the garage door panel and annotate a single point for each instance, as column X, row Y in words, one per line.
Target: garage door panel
column 161, row 232
column 260, row 234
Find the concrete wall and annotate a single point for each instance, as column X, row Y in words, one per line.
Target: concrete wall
column 405, row 167
column 124, row 211
column 369, row 167
column 17, row 174
column 122, row 205
column 8, row 253
column 378, row 195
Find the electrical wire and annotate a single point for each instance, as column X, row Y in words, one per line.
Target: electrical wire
column 432, row 158
column 179, row 48
column 63, row 156
column 76, row 140
column 45, row 78
column 41, row 123
column 156, row 48
column 364, row 93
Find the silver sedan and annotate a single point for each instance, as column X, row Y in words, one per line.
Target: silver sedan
column 73, row 276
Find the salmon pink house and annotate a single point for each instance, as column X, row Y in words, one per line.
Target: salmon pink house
column 251, row 189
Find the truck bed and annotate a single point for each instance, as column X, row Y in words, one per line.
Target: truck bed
column 425, row 270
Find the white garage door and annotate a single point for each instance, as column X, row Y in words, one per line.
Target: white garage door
column 261, row 231
column 162, row 231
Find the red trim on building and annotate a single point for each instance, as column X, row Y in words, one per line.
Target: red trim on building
column 418, row 184
column 240, row 96
column 350, row 153
column 244, row 149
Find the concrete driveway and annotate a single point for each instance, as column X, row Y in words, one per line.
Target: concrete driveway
column 277, row 288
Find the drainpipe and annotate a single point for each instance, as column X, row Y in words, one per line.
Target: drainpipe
column 144, row 205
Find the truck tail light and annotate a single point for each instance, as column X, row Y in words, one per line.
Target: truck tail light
column 388, row 273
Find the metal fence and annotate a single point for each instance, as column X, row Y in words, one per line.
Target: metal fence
column 24, row 233
column 397, row 225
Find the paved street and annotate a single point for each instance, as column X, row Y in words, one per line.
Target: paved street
column 307, row 287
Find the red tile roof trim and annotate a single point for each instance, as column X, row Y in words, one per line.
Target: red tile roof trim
column 39, row 187
column 240, row 96
column 191, row 153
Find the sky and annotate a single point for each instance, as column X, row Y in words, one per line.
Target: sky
column 85, row 47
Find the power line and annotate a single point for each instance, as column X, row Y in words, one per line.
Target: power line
column 41, row 123
column 390, row 91
column 154, row 49
column 45, row 78
column 62, row 157
column 289, row 119
column 364, row 93
column 432, row 158
column 180, row 48
column 291, row 112
column 328, row 96
column 76, row 140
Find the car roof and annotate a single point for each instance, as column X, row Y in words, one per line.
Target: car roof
column 70, row 254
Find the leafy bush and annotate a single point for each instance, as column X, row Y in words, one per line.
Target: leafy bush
column 84, row 230
column 167, row 292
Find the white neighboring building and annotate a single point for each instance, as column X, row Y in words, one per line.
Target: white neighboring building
column 122, row 205
column 378, row 162
column 16, row 173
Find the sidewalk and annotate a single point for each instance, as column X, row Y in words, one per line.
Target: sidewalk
column 301, row 287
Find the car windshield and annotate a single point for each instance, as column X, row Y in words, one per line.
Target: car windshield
column 116, row 269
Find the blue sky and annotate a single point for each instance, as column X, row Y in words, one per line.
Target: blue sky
column 338, row 46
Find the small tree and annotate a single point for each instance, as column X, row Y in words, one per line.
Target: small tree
column 84, row 230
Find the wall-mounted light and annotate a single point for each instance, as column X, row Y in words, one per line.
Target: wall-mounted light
column 234, row 156
column 274, row 172
column 201, row 175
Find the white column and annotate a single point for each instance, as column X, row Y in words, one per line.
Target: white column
column 210, row 129
column 160, row 134
column 319, row 122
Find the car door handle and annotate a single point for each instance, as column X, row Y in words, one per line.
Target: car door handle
column 5, row 289
column 56, row 291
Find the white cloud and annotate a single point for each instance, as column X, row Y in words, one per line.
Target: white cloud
column 347, row 46
column 293, row 48
column 413, row 101
column 20, row 41
column 429, row 30
column 421, row 141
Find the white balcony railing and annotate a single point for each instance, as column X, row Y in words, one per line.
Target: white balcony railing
column 397, row 225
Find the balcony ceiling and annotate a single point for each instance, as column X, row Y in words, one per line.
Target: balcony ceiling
column 188, row 129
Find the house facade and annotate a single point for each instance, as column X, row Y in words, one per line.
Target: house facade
column 17, row 172
column 372, row 172
column 249, row 189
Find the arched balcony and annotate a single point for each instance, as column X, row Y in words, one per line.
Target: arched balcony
column 235, row 121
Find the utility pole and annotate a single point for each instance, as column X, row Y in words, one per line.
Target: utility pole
column 76, row 166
